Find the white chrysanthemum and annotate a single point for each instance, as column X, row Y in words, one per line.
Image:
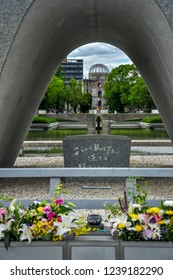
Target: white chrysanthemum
column 138, row 206
column 168, row 203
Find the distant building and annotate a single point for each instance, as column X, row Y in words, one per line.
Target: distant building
column 72, row 68
column 98, row 74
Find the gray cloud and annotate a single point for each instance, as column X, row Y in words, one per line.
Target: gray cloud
column 100, row 53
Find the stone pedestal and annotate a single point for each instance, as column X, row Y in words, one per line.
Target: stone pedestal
column 91, row 123
column 96, row 151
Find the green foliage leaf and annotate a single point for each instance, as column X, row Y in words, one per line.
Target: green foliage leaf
column 46, row 237
column 7, row 240
column 71, row 204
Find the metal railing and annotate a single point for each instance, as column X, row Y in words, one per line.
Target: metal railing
column 56, row 174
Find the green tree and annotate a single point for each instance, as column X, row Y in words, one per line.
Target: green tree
column 59, row 73
column 86, row 102
column 140, row 97
column 76, row 93
column 54, row 97
column 117, row 87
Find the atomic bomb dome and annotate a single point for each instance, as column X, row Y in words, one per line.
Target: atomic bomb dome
column 99, row 68
column 98, row 71
column 97, row 77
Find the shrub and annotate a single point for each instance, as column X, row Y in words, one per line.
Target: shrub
column 155, row 119
column 38, row 119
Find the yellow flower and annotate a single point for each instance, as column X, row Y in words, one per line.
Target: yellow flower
column 40, row 209
column 39, row 224
column 151, row 210
column 56, row 237
column 134, row 217
column 121, row 226
column 138, row 228
column 81, row 231
column 162, row 222
column 169, row 212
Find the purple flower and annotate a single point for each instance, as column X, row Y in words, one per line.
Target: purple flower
column 28, row 224
column 147, row 234
column 125, row 201
column 152, row 220
column 163, row 231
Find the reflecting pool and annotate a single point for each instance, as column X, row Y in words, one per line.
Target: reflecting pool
column 132, row 133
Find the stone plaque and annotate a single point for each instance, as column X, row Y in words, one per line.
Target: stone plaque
column 96, row 151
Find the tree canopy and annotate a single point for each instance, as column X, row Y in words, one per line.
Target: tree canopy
column 54, row 97
column 140, row 97
column 126, row 90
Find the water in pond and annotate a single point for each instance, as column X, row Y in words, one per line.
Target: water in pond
column 141, row 133
column 132, row 133
column 53, row 135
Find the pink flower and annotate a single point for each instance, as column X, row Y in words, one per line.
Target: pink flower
column 144, row 218
column 46, row 209
column 51, row 215
column 2, row 212
column 156, row 218
column 59, row 201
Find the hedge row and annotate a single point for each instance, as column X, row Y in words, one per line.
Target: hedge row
column 155, row 119
column 37, row 119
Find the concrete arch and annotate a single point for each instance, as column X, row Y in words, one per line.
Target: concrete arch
column 47, row 31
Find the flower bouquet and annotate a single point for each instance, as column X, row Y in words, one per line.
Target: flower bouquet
column 135, row 221
column 47, row 220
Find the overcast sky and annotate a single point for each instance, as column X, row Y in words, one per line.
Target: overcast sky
column 100, row 53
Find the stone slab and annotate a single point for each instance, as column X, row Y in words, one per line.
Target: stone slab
column 96, row 151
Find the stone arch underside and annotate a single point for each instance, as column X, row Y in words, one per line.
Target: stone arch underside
column 46, row 31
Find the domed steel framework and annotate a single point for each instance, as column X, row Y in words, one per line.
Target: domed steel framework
column 99, row 72
column 99, row 68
